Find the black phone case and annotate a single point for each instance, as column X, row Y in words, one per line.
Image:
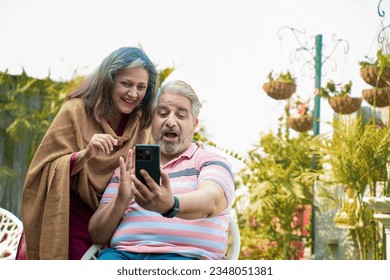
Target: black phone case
column 147, row 157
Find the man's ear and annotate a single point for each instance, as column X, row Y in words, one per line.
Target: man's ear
column 196, row 123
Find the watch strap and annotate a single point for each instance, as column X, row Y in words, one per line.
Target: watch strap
column 174, row 210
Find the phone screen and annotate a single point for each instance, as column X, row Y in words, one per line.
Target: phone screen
column 147, row 157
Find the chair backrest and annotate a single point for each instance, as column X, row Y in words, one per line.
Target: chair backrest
column 232, row 252
column 11, row 229
column 93, row 252
column 234, row 241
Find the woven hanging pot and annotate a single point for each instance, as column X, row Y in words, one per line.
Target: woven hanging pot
column 345, row 104
column 379, row 97
column 301, row 123
column 370, row 75
column 279, row 90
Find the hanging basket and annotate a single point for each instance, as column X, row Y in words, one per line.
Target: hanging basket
column 301, row 123
column 345, row 104
column 379, row 97
column 370, row 75
column 279, row 90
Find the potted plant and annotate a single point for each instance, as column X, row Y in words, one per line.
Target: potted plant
column 301, row 118
column 377, row 74
column 280, row 86
column 339, row 98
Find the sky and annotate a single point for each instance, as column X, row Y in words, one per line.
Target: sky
column 223, row 48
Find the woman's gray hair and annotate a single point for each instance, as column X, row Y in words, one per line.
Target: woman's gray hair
column 181, row 88
column 97, row 89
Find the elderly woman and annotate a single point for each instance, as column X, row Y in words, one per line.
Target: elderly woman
column 99, row 122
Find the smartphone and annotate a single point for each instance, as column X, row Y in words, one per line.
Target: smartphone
column 147, row 157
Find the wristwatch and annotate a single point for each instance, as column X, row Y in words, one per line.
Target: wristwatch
column 174, row 210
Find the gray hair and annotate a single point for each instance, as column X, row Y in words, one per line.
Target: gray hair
column 181, row 88
column 97, row 90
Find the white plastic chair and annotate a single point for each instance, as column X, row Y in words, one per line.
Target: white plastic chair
column 234, row 241
column 11, row 229
column 232, row 252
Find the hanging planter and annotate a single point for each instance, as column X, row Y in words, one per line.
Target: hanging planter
column 378, row 97
column 301, row 118
column 376, row 72
column 279, row 90
column 370, row 74
column 345, row 104
column 301, row 123
column 280, row 87
column 339, row 98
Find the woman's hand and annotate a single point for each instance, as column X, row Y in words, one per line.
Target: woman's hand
column 99, row 144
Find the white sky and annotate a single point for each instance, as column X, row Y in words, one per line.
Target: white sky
column 223, row 48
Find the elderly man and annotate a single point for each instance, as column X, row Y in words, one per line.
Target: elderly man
column 187, row 215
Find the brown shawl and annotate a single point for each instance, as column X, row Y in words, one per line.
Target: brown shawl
column 45, row 199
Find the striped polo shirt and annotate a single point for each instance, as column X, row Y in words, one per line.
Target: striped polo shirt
column 143, row 231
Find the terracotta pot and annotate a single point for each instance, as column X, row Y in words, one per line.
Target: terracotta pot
column 279, row 90
column 379, row 97
column 370, row 75
column 301, row 123
column 345, row 104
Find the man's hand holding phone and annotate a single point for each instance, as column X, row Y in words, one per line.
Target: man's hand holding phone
column 150, row 192
column 147, row 157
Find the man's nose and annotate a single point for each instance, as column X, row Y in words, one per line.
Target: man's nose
column 171, row 120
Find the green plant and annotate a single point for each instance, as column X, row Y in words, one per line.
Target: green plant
column 332, row 89
column 358, row 154
column 278, row 180
column 164, row 74
column 7, row 175
column 28, row 105
column 282, row 77
column 382, row 61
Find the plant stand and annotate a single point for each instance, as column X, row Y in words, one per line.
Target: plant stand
column 381, row 205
